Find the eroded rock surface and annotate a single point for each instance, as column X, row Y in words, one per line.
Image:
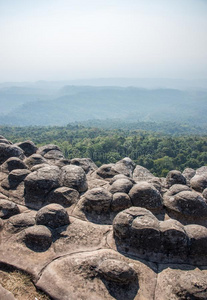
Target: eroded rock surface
column 113, row 232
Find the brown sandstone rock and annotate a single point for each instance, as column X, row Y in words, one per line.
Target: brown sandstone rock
column 64, row 196
column 144, row 194
column 125, row 166
column 8, row 209
column 53, row 216
column 7, row 151
column 11, row 164
column 120, row 202
column 6, row 295
column 107, row 171
column 142, row 174
column 152, row 258
column 20, row 222
column 199, row 182
column 39, row 183
column 38, row 238
column 35, row 159
column 97, row 200
column 189, row 204
column 86, row 163
column 15, row 177
column 121, row 186
column 117, row 271
column 175, row 177
column 74, row 177
column 181, row 282
column 28, row 147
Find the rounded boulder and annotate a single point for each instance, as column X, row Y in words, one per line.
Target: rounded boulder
column 116, row 271
column 12, row 163
column 189, row 204
column 199, row 182
column 7, row 151
column 8, row 209
column 175, row 177
column 35, row 159
column 144, row 194
column 138, row 228
column 74, row 177
column 120, row 202
column 39, row 183
column 37, row 238
column 64, row 196
column 53, row 216
column 28, row 147
column 97, row 200
column 121, row 186
column 198, row 243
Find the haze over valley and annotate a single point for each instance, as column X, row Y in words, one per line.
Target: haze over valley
column 48, row 103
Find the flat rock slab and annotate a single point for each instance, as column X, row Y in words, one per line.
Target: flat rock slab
column 177, row 282
column 80, row 235
column 77, row 236
column 77, row 276
column 5, row 295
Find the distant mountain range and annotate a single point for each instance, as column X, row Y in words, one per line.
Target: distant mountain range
column 46, row 104
column 148, row 83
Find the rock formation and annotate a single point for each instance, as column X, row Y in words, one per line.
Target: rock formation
column 113, row 232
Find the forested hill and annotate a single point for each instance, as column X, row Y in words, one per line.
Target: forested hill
column 41, row 106
column 157, row 152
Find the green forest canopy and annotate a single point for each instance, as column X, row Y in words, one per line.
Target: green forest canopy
column 157, row 152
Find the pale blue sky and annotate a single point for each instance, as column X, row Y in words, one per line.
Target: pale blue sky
column 71, row 39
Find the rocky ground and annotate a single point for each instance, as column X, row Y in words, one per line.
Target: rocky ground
column 114, row 232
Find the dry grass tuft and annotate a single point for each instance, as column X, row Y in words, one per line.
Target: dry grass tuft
column 20, row 284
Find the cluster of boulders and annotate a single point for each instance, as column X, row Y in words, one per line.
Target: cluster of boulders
column 85, row 232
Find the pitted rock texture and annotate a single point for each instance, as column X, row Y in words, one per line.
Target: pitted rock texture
column 7, row 151
column 138, row 231
column 64, row 196
column 199, row 182
column 28, row 147
column 35, row 159
column 50, row 152
column 144, row 194
column 116, row 271
column 11, row 164
column 37, row 238
column 39, row 183
column 113, row 232
column 120, row 202
column 142, row 174
column 121, row 186
column 96, row 201
column 175, row 177
column 86, row 163
column 187, row 203
column 107, row 171
column 74, row 177
column 20, row 222
column 53, row 216
column 14, row 178
column 125, row 166
column 8, row 209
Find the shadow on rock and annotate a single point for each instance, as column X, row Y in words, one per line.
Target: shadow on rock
column 38, row 238
column 119, row 278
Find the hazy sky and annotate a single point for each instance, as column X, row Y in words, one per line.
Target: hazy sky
column 71, row 39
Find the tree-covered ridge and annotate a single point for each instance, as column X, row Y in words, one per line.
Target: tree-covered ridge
column 157, row 152
column 42, row 106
